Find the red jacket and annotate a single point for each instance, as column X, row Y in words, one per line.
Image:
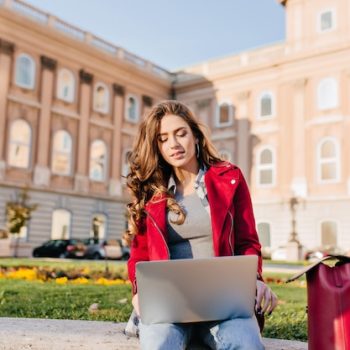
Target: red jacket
column 232, row 218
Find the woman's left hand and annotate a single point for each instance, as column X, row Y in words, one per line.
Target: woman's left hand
column 266, row 300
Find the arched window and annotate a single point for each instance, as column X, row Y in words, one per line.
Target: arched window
column 20, row 144
column 328, row 159
column 327, row 94
column 61, row 153
column 98, row 160
column 98, row 226
column 264, row 231
column 226, row 155
column 225, row 114
column 61, row 223
column 266, row 105
column 132, row 109
column 101, row 98
column 329, row 233
column 65, row 85
column 266, row 167
column 25, row 71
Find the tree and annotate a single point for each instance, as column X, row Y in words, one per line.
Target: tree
column 18, row 214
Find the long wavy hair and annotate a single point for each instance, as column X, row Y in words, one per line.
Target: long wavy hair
column 149, row 172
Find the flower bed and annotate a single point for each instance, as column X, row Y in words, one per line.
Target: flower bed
column 75, row 275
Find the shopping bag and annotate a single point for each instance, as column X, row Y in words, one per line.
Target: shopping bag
column 328, row 298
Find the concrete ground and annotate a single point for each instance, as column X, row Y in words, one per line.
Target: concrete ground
column 45, row 334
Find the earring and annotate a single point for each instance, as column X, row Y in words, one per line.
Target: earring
column 197, row 150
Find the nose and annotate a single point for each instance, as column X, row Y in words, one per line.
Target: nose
column 173, row 143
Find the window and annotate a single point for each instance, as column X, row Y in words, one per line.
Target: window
column 327, row 94
column 326, row 21
column 226, row 155
column 20, row 144
column 98, row 160
column 101, row 98
column 329, row 233
column 61, row 153
column 25, row 72
column 266, row 105
column 98, row 227
column 266, row 167
column 61, row 220
column 328, row 159
column 225, row 114
column 264, row 234
column 132, row 109
column 65, row 85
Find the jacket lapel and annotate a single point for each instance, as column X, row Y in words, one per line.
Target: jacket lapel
column 221, row 183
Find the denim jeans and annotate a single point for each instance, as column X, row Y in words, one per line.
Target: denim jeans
column 238, row 334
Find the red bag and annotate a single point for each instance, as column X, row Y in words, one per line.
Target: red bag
column 328, row 296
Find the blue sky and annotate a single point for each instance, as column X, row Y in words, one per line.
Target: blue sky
column 176, row 33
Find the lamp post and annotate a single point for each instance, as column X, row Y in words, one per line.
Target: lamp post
column 294, row 248
column 293, row 202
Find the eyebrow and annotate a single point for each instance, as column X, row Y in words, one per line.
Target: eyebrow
column 175, row 131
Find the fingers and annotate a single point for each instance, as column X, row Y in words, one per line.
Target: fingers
column 135, row 304
column 266, row 300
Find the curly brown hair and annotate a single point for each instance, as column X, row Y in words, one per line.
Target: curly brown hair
column 149, row 172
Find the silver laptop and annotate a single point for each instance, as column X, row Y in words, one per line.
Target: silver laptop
column 194, row 290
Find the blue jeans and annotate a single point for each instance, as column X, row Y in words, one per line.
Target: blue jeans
column 238, row 334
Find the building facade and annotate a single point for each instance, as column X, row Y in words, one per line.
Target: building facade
column 70, row 105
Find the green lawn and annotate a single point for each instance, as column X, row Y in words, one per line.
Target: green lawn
column 20, row 298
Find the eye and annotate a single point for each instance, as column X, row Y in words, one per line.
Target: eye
column 162, row 139
column 182, row 133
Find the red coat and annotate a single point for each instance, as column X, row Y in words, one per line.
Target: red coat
column 232, row 218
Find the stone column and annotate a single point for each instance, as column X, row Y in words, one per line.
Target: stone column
column 42, row 168
column 299, row 183
column 244, row 155
column 6, row 51
column 81, row 178
column 115, row 185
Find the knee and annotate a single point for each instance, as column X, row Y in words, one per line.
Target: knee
column 162, row 337
column 240, row 334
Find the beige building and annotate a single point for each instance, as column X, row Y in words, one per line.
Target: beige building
column 70, row 104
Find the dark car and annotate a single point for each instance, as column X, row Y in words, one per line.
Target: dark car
column 57, row 248
column 111, row 249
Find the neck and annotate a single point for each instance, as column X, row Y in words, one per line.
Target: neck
column 186, row 177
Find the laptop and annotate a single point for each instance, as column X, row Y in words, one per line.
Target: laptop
column 196, row 290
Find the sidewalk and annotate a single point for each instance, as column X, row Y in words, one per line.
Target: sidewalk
column 44, row 334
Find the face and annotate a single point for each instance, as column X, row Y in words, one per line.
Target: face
column 177, row 143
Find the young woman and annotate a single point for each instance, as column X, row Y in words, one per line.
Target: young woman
column 188, row 203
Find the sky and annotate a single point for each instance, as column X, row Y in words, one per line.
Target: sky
column 176, row 33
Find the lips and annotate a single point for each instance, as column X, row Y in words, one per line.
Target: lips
column 177, row 154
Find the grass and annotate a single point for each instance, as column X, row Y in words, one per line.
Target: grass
column 34, row 299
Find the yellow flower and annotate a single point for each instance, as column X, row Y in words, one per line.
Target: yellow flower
column 80, row 280
column 22, row 273
column 107, row 282
column 62, row 280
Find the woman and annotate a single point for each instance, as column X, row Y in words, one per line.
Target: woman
column 188, row 203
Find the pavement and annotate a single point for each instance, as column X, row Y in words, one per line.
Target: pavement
column 47, row 334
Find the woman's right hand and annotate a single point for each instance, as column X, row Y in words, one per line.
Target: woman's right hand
column 135, row 303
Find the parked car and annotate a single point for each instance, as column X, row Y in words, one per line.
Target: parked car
column 111, row 249
column 58, row 248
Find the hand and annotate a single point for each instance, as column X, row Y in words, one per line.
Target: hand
column 135, row 303
column 266, row 300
